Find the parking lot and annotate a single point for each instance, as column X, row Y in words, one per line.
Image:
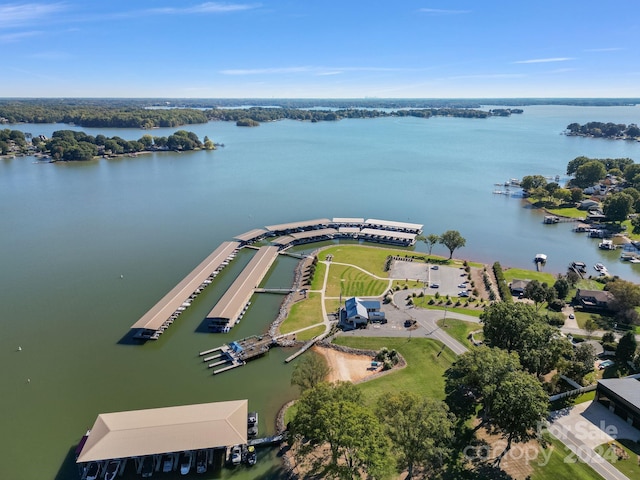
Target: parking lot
column 437, row 278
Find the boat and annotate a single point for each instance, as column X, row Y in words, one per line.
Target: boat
column 185, row 462
column 252, row 458
column 93, row 471
column 236, row 455
column 201, row 461
column 634, row 260
column 606, row 245
column 167, row 463
column 540, row 258
column 147, row 466
column 252, row 424
column 112, row 470
column 599, row 267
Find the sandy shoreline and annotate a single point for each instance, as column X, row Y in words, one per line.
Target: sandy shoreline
column 346, row 367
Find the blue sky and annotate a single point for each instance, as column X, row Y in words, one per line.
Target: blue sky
column 320, row 49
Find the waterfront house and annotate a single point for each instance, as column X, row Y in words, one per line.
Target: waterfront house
column 588, row 204
column 594, row 299
column 517, row 286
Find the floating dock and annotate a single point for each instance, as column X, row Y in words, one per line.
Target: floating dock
column 237, row 353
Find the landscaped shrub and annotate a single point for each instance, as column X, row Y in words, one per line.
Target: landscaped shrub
column 557, row 305
column 503, row 288
column 387, row 263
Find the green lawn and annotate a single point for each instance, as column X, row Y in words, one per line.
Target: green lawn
column 562, row 464
column 460, row 330
column 303, row 314
column 318, row 277
column 628, row 466
column 310, row 333
column 426, row 363
column 356, row 283
column 440, row 304
column 570, row 212
column 522, row 274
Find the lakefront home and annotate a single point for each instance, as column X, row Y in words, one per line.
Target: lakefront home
column 594, row 299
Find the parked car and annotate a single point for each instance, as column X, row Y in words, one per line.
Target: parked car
column 463, row 293
column 572, row 316
column 435, row 267
column 435, row 285
column 462, row 285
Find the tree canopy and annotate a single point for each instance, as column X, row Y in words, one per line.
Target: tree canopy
column 452, row 240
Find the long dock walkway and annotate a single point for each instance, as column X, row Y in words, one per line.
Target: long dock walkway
column 237, row 353
column 233, row 303
column 162, row 314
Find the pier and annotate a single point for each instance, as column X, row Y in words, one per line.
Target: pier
column 234, row 303
column 153, row 323
column 238, row 353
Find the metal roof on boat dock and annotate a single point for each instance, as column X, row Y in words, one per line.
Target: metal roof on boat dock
column 230, row 306
column 251, row 235
column 162, row 430
column 386, row 234
column 388, row 224
column 158, row 314
column 296, row 225
column 348, row 221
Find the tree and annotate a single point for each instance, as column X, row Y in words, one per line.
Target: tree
column 618, row 206
column 581, row 362
column 452, row 240
column 589, row 174
column 335, row 414
column 538, row 292
column 474, row 378
column 576, row 194
column 530, row 182
column 563, row 194
column 430, row 240
column 309, row 372
column 574, row 164
column 520, row 407
column 562, row 287
column 590, row 326
column 505, row 322
column 626, row 294
column 626, row 350
column 420, row 428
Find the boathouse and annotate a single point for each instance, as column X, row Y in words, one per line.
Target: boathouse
column 159, row 317
column 234, row 302
column 139, row 434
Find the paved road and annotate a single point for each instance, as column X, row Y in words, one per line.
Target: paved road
column 426, row 321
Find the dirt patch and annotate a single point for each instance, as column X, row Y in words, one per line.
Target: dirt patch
column 346, row 367
column 516, row 461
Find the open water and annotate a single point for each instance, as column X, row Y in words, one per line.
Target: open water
column 69, row 231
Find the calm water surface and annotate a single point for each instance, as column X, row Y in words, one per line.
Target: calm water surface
column 70, row 230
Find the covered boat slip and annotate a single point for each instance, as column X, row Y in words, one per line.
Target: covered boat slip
column 233, row 303
column 172, row 302
column 308, row 236
column 138, row 433
column 304, row 225
column 391, row 225
column 386, row 236
column 252, row 235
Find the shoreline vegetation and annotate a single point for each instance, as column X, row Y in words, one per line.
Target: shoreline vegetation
column 69, row 145
column 615, row 131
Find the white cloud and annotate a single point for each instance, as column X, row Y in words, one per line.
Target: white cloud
column 207, row 7
column 438, row 11
column 611, row 49
column 488, row 76
column 315, row 70
column 545, row 60
column 17, row 36
column 16, row 14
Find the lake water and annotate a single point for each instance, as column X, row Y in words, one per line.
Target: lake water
column 69, row 231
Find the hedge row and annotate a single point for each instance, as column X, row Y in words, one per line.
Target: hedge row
column 503, row 288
